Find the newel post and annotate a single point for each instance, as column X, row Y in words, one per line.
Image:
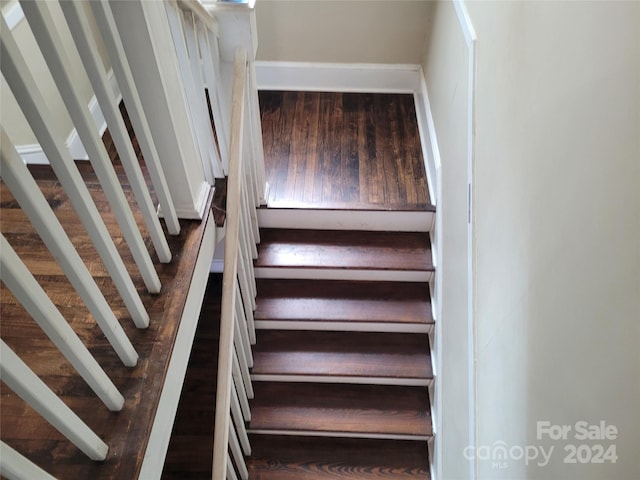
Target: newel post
column 237, row 28
column 146, row 36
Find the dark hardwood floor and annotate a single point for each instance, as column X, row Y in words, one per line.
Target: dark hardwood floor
column 125, row 432
column 343, row 150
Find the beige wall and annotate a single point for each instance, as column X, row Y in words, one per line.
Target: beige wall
column 557, row 227
column 350, row 31
column 10, row 114
column 445, row 64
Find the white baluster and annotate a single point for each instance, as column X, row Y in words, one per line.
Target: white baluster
column 25, row 189
column 242, row 324
column 41, row 23
column 212, row 78
column 14, row 466
column 231, row 473
column 191, row 28
column 242, row 360
column 122, row 71
column 256, row 133
column 241, row 387
column 199, row 123
column 26, row 384
column 17, row 277
column 86, row 44
column 236, row 452
column 236, row 413
column 33, row 105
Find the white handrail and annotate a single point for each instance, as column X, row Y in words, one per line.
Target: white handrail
column 227, row 357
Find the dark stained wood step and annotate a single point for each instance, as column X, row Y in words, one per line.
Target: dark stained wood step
column 290, row 302
column 364, row 411
column 338, row 149
column 408, row 251
column 397, row 358
column 317, row 458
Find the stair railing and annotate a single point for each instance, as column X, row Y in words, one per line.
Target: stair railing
column 237, row 329
column 195, row 38
column 14, row 273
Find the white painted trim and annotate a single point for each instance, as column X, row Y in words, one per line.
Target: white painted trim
column 465, row 22
column 13, row 14
column 156, row 450
column 373, row 436
column 470, row 38
column 343, row 379
column 368, row 220
column 217, row 265
column 344, row 274
column 34, row 155
column 428, row 139
column 198, row 210
column 73, row 143
column 344, row 326
column 337, row 77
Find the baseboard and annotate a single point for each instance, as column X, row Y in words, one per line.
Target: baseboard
column 426, row 128
column 338, row 77
column 34, row 155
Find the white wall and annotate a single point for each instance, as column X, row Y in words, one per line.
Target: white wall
column 349, row 31
column 445, row 65
column 557, row 229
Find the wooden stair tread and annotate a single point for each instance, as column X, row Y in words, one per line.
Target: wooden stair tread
column 346, row 354
column 336, row 300
column 317, row 458
column 357, row 410
column 406, row 251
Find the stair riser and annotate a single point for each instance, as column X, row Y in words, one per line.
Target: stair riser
column 303, row 433
column 344, row 274
column 346, row 220
column 343, row 326
column 406, row 382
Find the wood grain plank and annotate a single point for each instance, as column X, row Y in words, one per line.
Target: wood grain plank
column 362, row 150
column 313, row 458
column 347, row 354
column 334, row 300
column 331, row 408
column 344, row 249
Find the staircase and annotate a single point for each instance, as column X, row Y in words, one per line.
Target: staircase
column 342, row 365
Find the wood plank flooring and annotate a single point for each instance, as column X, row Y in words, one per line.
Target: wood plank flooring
column 125, row 432
column 358, row 355
column 358, row 410
column 313, row 458
column 343, row 150
column 344, row 250
column 295, row 302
